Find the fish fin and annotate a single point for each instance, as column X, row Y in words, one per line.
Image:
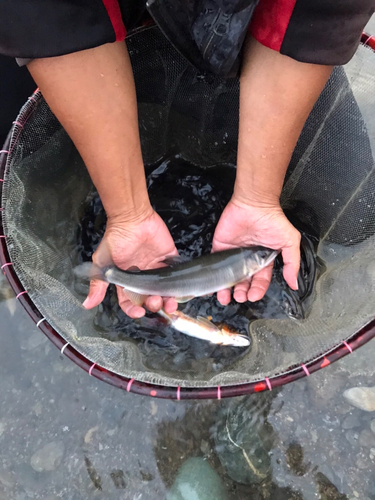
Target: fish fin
column 136, row 298
column 133, row 269
column 174, row 260
column 89, row 271
column 205, row 321
column 182, row 300
column 165, row 315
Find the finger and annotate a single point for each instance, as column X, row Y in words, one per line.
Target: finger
column 170, row 305
column 96, row 294
column 127, row 306
column 240, row 291
column 154, row 303
column 291, row 258
column 260, row 283
column 224, row 296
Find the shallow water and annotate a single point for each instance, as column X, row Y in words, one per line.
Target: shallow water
column 108, row 444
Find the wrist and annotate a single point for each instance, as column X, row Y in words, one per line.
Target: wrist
column 253, row 198
column 130, row 215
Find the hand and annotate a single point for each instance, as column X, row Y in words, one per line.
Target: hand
column 143, row 243
column 243, row 225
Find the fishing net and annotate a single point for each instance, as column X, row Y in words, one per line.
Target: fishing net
column 52, row 220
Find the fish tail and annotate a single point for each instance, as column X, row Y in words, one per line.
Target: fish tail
column 90, row 271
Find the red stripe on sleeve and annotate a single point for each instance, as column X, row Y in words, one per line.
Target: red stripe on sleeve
column 114, row 13
column 270, row 22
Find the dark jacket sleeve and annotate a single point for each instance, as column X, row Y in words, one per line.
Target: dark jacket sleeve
column 44, row 28
column 312, row 31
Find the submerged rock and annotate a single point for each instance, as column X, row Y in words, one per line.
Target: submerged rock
column 49, row 457
column 361, row 397
column 197, row 480
column 244, row 439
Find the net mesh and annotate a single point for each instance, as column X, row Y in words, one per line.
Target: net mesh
column 331, row 175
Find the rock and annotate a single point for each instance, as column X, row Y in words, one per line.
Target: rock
column 361, row 397
column 352, row 437
column 7, row 479
column 49, row 457
column 244, row 439
column 90, row 433
column 350, row 422
column 197, row 480
column 373, row 426
column 205, row 447
column 367, row 439
column 37, row 409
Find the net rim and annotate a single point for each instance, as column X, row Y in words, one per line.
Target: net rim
column 337, row 352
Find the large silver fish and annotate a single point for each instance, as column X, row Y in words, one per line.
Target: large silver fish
column 204, row 329
column 185, row 280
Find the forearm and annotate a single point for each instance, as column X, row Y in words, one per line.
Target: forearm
column 277, row 94
column 92, row 94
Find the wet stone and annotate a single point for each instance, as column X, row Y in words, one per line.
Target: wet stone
column 49, row 457
column 367, row 439
column 352, row 437
column 363, row 463
column 361, row 397
column 6, row 479
column 350, row 422
column 243, row 441
column 197, row 480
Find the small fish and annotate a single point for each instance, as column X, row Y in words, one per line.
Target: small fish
column 203, row 329
column 185, row 279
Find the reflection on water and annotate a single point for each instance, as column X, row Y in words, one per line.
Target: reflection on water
column 89, row 440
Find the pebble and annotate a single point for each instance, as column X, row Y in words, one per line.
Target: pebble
column 367, row 439
column 90, row 433
column 49, row 457
column 37, row 409
column 6, row 479
column 205, row 447
column 352, row 437
column 362, row 463
column 350, row 422
column 361, row 397
column 197, row 480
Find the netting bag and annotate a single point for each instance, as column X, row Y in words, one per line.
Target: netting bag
column 51, row 220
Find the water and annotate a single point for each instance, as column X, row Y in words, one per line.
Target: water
column 190, row 200
column 122, row 446
column 66, row 435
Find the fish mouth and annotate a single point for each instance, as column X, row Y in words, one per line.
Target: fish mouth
column 238, row 341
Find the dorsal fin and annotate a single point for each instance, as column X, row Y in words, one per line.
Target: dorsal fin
column 174, row 260
column 206, row 322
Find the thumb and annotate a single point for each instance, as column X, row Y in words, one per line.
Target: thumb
column 96, row 294
column 291, row 258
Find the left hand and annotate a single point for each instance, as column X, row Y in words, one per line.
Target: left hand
column 244, row 225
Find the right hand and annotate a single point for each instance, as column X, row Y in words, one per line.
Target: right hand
column 143, row 242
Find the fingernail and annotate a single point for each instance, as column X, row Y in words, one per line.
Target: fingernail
column 296, row 285
column 84, row 304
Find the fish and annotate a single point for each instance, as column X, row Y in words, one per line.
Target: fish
column 202, row 328
column 185, row 279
